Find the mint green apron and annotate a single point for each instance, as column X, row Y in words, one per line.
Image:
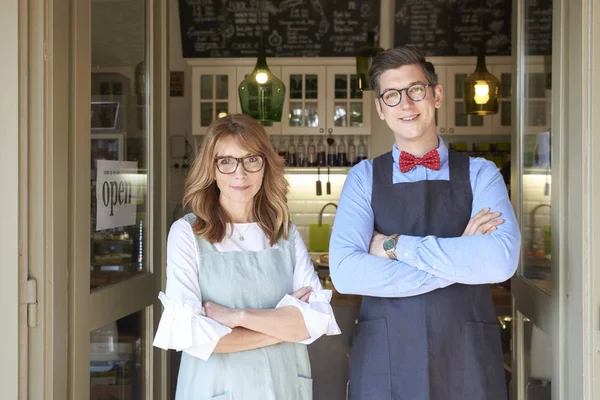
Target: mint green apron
column 243, row 279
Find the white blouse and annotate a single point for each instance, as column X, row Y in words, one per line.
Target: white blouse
column 184, row 325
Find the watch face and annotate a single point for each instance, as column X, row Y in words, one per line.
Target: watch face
column 389, row 244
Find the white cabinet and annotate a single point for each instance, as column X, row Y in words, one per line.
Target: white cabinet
column 321, row 95
column 304, row 110
column 348, row 108
column 214, row 93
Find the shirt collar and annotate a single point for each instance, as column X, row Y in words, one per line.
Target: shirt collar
column 442, row 150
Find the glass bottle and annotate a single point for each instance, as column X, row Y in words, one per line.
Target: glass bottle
column 321, row 155
column 291, row 156
column 282, row 150
column 361, row 151
column 331, row 152
column 301, row 154
column 351, row 153
column 364, row 60
column 311, row 155
column 342, row 159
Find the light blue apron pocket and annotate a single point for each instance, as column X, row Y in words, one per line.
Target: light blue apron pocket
column 304, row 388
column 370, row 364
column 483, row 362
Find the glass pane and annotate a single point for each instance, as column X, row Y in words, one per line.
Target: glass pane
column 536, row 85
column 222, row 87
column 476, row 120
column 341, row 86
column 296, row 111
column 505, row 113
column 355, row 92
column 536, row 180
column 222, row 109
column 536, row 113
column 460, row 117
column 206, row 87
column 537, row 353
column 505, row 85
column 311, row 114
column 340, row 117
column 356, row 114
column 206, row 114
column 295, row 86
column 119, row 143
column 117, row 361
column 312, row 87
column 458, row 85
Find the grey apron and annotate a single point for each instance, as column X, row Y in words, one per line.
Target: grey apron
column 442, row 345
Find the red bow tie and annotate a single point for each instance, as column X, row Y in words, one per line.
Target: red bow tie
column 430, row 160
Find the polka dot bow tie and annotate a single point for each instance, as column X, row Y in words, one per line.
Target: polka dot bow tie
column 430, row 160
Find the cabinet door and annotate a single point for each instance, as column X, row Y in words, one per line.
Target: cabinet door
column 242, row 73
column 537, row 99
column 213, row 95
column 304, row 111
column 458, row 122
column 502, row 122
column 348, row 107
column 440, row 113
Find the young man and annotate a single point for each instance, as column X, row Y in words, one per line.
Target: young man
column 421, row 232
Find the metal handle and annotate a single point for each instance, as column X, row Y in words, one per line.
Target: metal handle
column 451, row 130
column 330, row 131
column 442, row 130
column 321, row 130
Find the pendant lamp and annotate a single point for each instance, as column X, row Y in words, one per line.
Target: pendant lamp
column 481, row 89
column 262, row 94
column 364, row 59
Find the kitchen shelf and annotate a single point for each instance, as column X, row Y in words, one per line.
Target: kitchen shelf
column 313, row 170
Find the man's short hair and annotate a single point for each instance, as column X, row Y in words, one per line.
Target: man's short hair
column 396, row 58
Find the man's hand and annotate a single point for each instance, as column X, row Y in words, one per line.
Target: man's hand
column 376, row 246
column 230, row 317
column 303, row 294
column 483, row 223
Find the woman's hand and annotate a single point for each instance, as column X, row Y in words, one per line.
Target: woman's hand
column 230, row 317
column 303, row 294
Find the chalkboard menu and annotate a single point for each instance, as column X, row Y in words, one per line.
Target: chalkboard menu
column 457, row 27
column 286, row 28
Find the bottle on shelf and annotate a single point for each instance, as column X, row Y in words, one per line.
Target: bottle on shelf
column 331, row 152
column 301, row 153
column 291, row 155
column 351, row 153
column 361, row 153
column 311, row 154
column 282, row 150
column 342, row 159
column 321, row 155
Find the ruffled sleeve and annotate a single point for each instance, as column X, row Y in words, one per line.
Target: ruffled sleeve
column 183, row 324
column 317, row 313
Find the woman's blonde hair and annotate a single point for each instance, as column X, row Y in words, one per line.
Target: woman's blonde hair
column 201, row 193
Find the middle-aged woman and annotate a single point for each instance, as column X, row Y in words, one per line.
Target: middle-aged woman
column 242, row 298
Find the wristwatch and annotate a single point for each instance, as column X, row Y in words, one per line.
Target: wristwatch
column 389, row 245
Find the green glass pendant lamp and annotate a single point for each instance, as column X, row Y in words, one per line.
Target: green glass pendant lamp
column 481, row 89
column 364, row 59
column 262, row 94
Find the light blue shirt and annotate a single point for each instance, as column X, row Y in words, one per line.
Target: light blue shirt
column 424, row 263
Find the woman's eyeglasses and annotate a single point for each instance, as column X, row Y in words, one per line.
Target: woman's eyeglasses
column 251, row 163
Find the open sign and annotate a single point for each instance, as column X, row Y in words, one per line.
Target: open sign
column 117, row 187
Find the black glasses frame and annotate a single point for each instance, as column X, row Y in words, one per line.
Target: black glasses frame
column 238, row 161
column 399, row 91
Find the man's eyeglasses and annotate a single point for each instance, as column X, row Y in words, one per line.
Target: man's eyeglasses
column 393, row 97
column 251, row 163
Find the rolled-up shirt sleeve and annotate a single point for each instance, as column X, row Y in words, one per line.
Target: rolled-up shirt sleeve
column 317, row 312
column 183, row 325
